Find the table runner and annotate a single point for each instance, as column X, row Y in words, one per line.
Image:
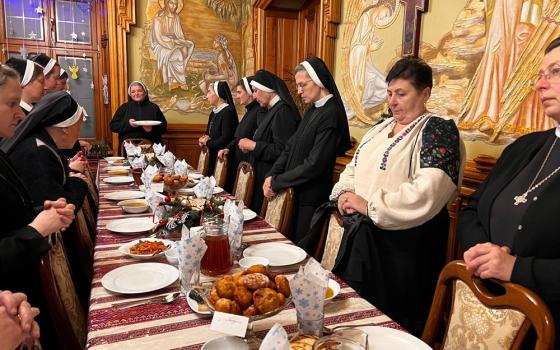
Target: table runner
column 176, row 326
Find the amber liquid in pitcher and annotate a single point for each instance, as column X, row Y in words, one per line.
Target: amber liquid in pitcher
column 217, row 259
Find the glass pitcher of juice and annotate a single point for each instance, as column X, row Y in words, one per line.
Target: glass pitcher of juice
column 217, row 259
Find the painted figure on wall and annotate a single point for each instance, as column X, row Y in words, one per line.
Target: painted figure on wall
column 169, row 44
column 224, row 68
column 499, row 102
column 368, row 88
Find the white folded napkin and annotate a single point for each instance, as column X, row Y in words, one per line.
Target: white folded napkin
column 276, row 339
column 167, row 159
column 308, row 288
column 180, row 167
column 132, row 150
column 205, row 188
column 158, row 149
column 137, row 162
column 190, row 252
column 148, row 175
column 233, row 219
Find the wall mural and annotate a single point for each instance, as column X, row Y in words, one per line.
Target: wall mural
column 482, row 66
column 187, row 45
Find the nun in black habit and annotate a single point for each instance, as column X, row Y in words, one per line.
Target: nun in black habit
column 25, row 224
column 138, row 108
column 308, row 160
column 35, row 150
column 32, row 81
column 222, row 121
column 246, row 129
column 275, row 128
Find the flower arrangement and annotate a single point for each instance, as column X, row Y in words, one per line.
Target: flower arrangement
column 176, row 212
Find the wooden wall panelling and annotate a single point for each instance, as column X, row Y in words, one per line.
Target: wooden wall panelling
column 309, row 29
column 121, row 14
column 182, row 140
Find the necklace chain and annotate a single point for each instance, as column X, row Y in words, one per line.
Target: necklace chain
column 522, row 198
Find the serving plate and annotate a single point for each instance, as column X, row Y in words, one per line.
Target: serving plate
column 125, row 248
column 119, row 180
column 147, row 122
column 279, row 254
column 124, row 195
column 131, row 226
column 140, row 278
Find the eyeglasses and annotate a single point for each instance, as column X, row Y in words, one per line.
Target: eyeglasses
column 553, row 76
column 303, row 84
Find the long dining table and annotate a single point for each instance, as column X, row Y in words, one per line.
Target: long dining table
column 175, row 325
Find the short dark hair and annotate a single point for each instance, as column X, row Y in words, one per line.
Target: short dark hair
column 554, row 44
column 413, row 69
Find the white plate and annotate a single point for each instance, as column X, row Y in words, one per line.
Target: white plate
column 119, row 180
column 186, row 191
column 194, row 305
column 117, row 167
column 392, row 339
column 248, row 214
column 279, row 254
column 195, row 176
column 140, row 278
column 124, row 195
column 112, row 159
column 148, row 122
column 131, row 225
column 218, row 189
column 125, row 248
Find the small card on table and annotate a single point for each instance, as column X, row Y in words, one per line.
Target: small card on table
column 229, row 324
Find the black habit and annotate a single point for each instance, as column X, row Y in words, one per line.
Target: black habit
column 307, row 164
column 22, row 246
column 143, row 110
column 535, row 240
column 44, row 170
column 246, row 129
column 275, row 129
column 221, row 128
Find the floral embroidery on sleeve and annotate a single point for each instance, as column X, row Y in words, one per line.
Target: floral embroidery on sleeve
column 440, row 147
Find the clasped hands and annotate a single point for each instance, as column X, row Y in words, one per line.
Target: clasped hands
column 350, row 203
column 17, row 325
column 202, row 140
column 267, row 188
column 488, row 260
column 56, row 216
column 246, row 145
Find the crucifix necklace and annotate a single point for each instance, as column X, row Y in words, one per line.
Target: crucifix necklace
column 522, row 198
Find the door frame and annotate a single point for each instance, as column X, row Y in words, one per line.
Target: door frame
column 330, row 16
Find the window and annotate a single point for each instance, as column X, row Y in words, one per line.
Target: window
column 82, row 89
column 24, row 19
column 73, row 21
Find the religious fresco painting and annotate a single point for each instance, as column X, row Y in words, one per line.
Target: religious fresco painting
column 482, row 67
column 187, row 45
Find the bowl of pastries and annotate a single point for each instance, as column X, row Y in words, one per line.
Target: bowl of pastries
column 171, row 182
column 254, row 293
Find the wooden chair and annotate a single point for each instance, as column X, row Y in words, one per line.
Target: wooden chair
column 278, row 211
column 135, row 141
column 204, row 161
column 220, row 171
column 480, row 319
column 329, row 242
column 244, row 182
column 64, row 308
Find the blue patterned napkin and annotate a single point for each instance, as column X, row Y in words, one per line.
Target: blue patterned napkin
column 158, row 149
column 308, row 288
column 180, row 167
column 190, row 252
column 132, row 150
column 276, row 339
column 148, row 175
column 205, row 188
column 233, row 219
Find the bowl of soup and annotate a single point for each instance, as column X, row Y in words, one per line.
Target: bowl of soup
column 333, row 288
column 134, row 206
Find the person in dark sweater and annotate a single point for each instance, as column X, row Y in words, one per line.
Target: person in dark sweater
column 138, row 108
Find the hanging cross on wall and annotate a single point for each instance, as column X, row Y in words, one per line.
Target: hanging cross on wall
column 413, row 10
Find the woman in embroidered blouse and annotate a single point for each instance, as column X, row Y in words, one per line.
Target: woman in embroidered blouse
column 402, row 175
